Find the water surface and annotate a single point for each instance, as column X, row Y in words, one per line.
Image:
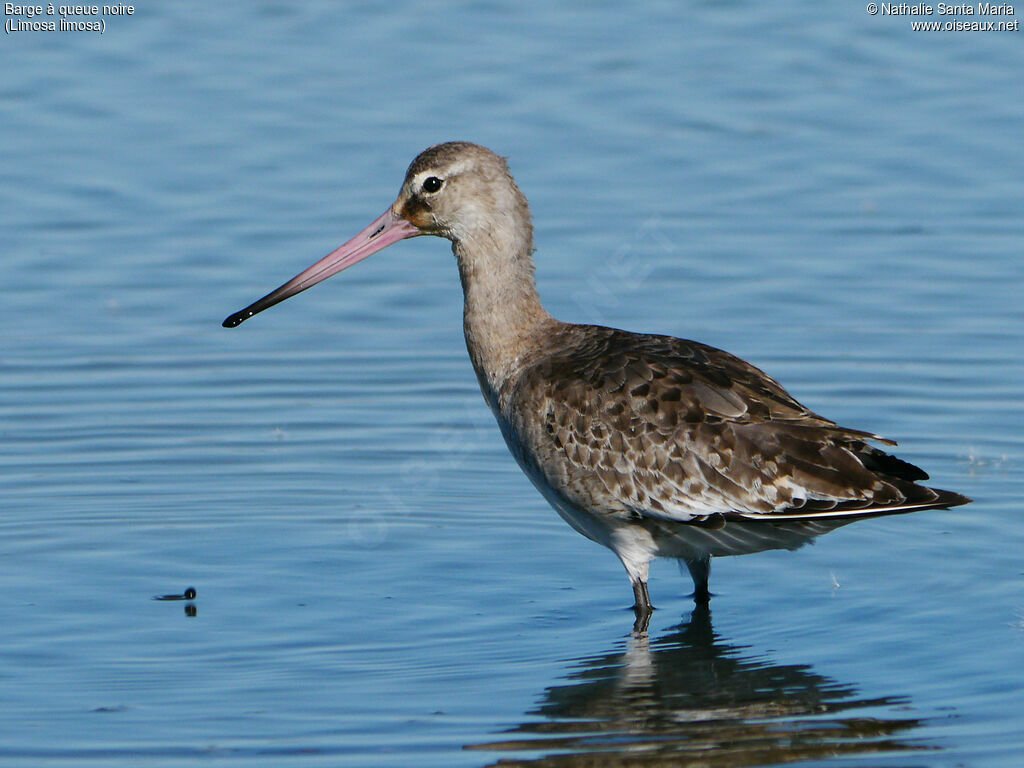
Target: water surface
column 825, row 193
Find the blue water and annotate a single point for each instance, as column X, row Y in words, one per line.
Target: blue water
column 826, row 193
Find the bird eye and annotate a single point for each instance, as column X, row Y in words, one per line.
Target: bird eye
column 432, row 184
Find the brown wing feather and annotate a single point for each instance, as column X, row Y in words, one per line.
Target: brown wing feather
column 632, row 424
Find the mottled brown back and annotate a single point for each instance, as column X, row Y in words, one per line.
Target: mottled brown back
column 642, row 425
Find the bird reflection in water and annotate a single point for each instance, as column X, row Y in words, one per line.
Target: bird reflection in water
column 691, row 698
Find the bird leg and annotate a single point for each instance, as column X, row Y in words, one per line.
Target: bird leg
column 700, row 570
column 642, row 606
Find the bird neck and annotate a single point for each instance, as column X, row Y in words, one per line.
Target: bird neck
column 502, row 314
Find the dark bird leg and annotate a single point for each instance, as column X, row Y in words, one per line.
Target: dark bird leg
column 642, row 606
column 700, row 570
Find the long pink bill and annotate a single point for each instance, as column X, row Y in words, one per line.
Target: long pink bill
column 386, row 230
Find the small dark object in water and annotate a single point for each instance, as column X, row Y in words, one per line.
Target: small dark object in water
column 188, row 594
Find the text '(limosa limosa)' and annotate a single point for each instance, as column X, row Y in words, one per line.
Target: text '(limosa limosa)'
column 650, row 445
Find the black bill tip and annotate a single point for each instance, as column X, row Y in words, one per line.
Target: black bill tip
column 238, row 318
